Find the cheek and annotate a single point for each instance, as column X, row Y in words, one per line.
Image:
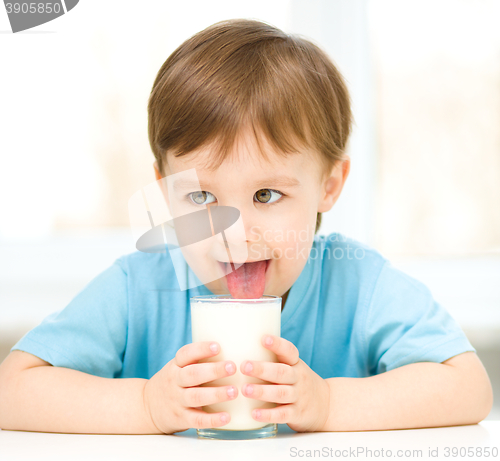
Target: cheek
column 286, row 232
column 299, row 228
column 201, row 262
column 292, row 239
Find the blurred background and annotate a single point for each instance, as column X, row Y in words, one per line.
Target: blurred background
column 424, row 187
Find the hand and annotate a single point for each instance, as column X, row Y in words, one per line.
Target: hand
column 172, row 399
column 303, row 396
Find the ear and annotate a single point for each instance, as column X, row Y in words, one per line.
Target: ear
column 332, row 185
column 157, row 170
column 161, row 183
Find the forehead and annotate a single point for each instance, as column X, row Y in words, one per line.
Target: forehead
column 247, row 158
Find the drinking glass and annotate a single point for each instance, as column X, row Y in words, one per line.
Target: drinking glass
column 238, row 326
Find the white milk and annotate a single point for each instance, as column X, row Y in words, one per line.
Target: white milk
column 238, row 327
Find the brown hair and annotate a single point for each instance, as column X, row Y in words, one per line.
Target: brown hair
column 242, row 72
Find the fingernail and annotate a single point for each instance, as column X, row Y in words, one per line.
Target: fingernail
column 229, row 367
column 214, row 347
column 269, row 341
column 231, row 391
column 248, row 367
column 223, row 419
column 256, row 414
column 249, row 389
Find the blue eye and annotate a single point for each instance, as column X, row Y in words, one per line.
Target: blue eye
column 199, row 197
column 268, row 195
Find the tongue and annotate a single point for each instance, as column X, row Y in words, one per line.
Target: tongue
column 248, row 281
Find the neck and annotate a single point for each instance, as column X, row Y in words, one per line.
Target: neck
column 283, row 300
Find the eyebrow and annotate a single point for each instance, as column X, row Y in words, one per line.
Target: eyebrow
column 279, row 181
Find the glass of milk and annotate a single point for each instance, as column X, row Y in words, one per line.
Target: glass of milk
column 238, row 326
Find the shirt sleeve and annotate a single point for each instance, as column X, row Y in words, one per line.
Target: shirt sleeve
column 90, row 333
column 405, row 324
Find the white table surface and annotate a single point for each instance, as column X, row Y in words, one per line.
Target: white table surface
column 185, row 446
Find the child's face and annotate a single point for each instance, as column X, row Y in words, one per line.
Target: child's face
column 279, row 219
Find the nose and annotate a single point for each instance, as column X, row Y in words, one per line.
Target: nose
column 234, row 236
column 247, row 216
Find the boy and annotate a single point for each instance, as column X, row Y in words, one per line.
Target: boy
column 263, row 118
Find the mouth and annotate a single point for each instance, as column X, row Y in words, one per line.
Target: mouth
column 225, row 266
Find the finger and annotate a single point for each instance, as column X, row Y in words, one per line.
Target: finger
column 200, row 373
column 273, row 393
column 191, row 353
column 286, row 351
column 201, row 396
column 199, row 419
column 278, row 373
column 281, row 414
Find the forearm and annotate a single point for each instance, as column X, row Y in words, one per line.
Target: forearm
column 417, row 395
column 55, row 399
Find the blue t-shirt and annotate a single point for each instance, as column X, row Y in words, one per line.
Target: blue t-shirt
column 350, row 313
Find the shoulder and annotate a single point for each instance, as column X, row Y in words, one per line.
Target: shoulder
column 356, row 264
column 139, row 259
column 339, row 253
column 148, row 269
column 346, row 269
